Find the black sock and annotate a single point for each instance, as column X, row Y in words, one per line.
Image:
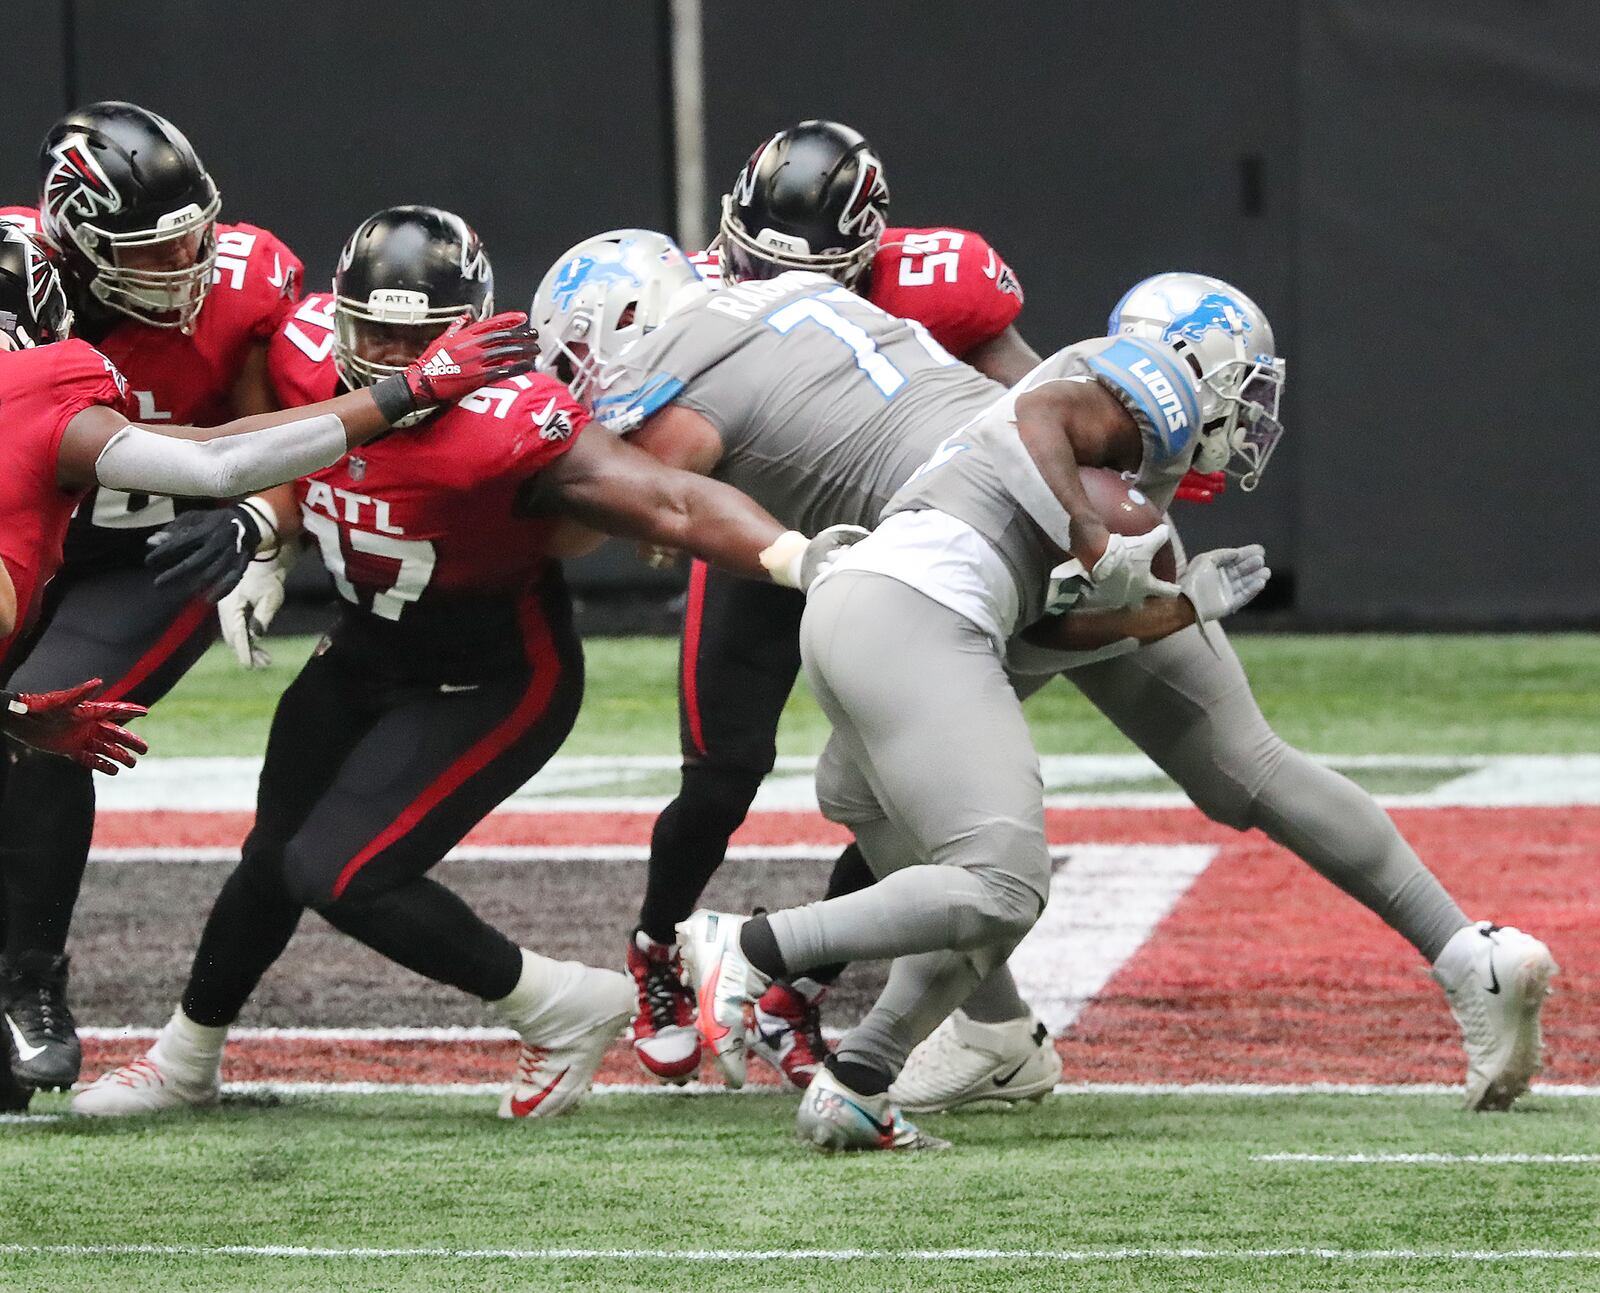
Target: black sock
column 861, row 1078
column 850, row 873
column 46, row 821
column 760, row 948
column 688, row 843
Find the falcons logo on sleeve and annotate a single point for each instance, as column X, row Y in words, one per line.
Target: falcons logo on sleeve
column 76, row 183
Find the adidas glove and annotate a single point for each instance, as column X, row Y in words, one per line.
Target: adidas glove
column 467, row 355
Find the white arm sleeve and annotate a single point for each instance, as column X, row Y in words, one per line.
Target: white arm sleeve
column 138, row 460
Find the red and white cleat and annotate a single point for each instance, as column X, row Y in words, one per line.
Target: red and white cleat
column 568, row 1015
column 664, row 1037
column 787, row 1030
column 726, row 987
column 144, row 1086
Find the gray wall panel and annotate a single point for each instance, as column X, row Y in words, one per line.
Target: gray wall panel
column 1448, row 266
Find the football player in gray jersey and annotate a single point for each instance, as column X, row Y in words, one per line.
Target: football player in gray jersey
column 810, row 398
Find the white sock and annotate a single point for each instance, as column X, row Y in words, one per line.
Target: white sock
column 534, row 985
column 992, row 1037
column 190, row 1047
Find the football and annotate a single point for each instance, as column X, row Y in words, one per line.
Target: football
column 1126, row 510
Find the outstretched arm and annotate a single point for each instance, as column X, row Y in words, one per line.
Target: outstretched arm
column 254, row 453
column 1005, row 358
column 608, row 484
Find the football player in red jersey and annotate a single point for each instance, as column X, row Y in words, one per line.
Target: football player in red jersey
column 452, row 674
column 67, row 429
column 184, row 306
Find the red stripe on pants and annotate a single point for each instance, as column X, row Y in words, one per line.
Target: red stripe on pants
column 178, row 632
column 546, row 664
column 692, row 616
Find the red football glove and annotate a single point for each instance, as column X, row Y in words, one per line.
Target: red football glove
column 1202, row 486
column 70, row 724
column 468, row 355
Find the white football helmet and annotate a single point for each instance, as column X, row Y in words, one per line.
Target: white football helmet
column 604, row 294
column 1226, row 339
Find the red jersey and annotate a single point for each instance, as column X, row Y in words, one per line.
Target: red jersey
column 949, row 280
column 186, row 379
column 41, row 390
column 427, row 514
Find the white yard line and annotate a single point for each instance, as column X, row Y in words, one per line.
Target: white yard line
column 1427, row 1159
column 1104, row 904
column 1073, row 781
column 732, row 1255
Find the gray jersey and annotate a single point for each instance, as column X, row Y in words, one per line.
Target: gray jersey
column 824, row 403
column 983, row 475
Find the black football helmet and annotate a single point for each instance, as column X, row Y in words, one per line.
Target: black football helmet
column 414, row 267
column 811, row 197
column 33, row 305
column 127, row 203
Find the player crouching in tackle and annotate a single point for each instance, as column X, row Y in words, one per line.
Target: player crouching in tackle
column 450, row 678
column 68, row 429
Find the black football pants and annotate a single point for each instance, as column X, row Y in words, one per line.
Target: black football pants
column 369, row 780
column 739, row 658
column 112, row 624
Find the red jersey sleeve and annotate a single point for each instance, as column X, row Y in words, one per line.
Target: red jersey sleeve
column 709, row 263
column 949, row 280
column 535, row 420
column 81, row 378
column 300, row 354
column 260, row 275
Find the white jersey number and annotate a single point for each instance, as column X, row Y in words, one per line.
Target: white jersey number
column 877, row 367
column 416, row 560
column 924, row 254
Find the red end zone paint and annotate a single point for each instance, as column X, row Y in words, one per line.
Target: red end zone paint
column 1262, row 973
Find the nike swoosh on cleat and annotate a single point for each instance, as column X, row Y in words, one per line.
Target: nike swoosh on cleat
column 1494, row 979
column 1006, row 1080
column 710, row 1029
column 884, row 1129
column 522, row 1108
column 24, row 1051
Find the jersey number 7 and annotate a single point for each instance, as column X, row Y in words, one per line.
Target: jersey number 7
column 824, row 311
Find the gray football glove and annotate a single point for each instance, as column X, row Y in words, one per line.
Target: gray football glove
column 1221, row 581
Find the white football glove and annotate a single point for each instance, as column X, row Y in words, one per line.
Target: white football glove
column 1219, row 582
column 1122, row 575
column 246, row 612
column 795, row 561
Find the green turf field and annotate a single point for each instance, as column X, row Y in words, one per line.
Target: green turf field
column 1078, row 1175
column 1526, row 694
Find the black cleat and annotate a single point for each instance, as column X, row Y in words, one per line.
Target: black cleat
column 40, row 1034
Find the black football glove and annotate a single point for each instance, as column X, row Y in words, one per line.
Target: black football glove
column 204, row 554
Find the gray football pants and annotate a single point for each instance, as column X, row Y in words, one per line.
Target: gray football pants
column 1189, row 707
column 932, row 765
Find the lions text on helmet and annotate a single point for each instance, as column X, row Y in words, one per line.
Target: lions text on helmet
column 604, row 294
column 132, row 210
column 1224, row 337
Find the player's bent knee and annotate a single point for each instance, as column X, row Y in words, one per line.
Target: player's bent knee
column 1227, row 781
column 309, row 876
column 719, row 796
column 1000, row 909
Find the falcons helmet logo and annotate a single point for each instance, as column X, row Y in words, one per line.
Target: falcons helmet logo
column 866, row 212
column 75, row 184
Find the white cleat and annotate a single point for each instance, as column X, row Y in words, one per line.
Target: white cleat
column 147, row 1085
column 568, row 1015
column 967, row 1063
column 1497, row 979
column 726, row 988
column 833, row 1117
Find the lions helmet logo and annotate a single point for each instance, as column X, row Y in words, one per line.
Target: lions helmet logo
column 1213, row 310
column 581, row 270
column 75, row 184
column 866, row 214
